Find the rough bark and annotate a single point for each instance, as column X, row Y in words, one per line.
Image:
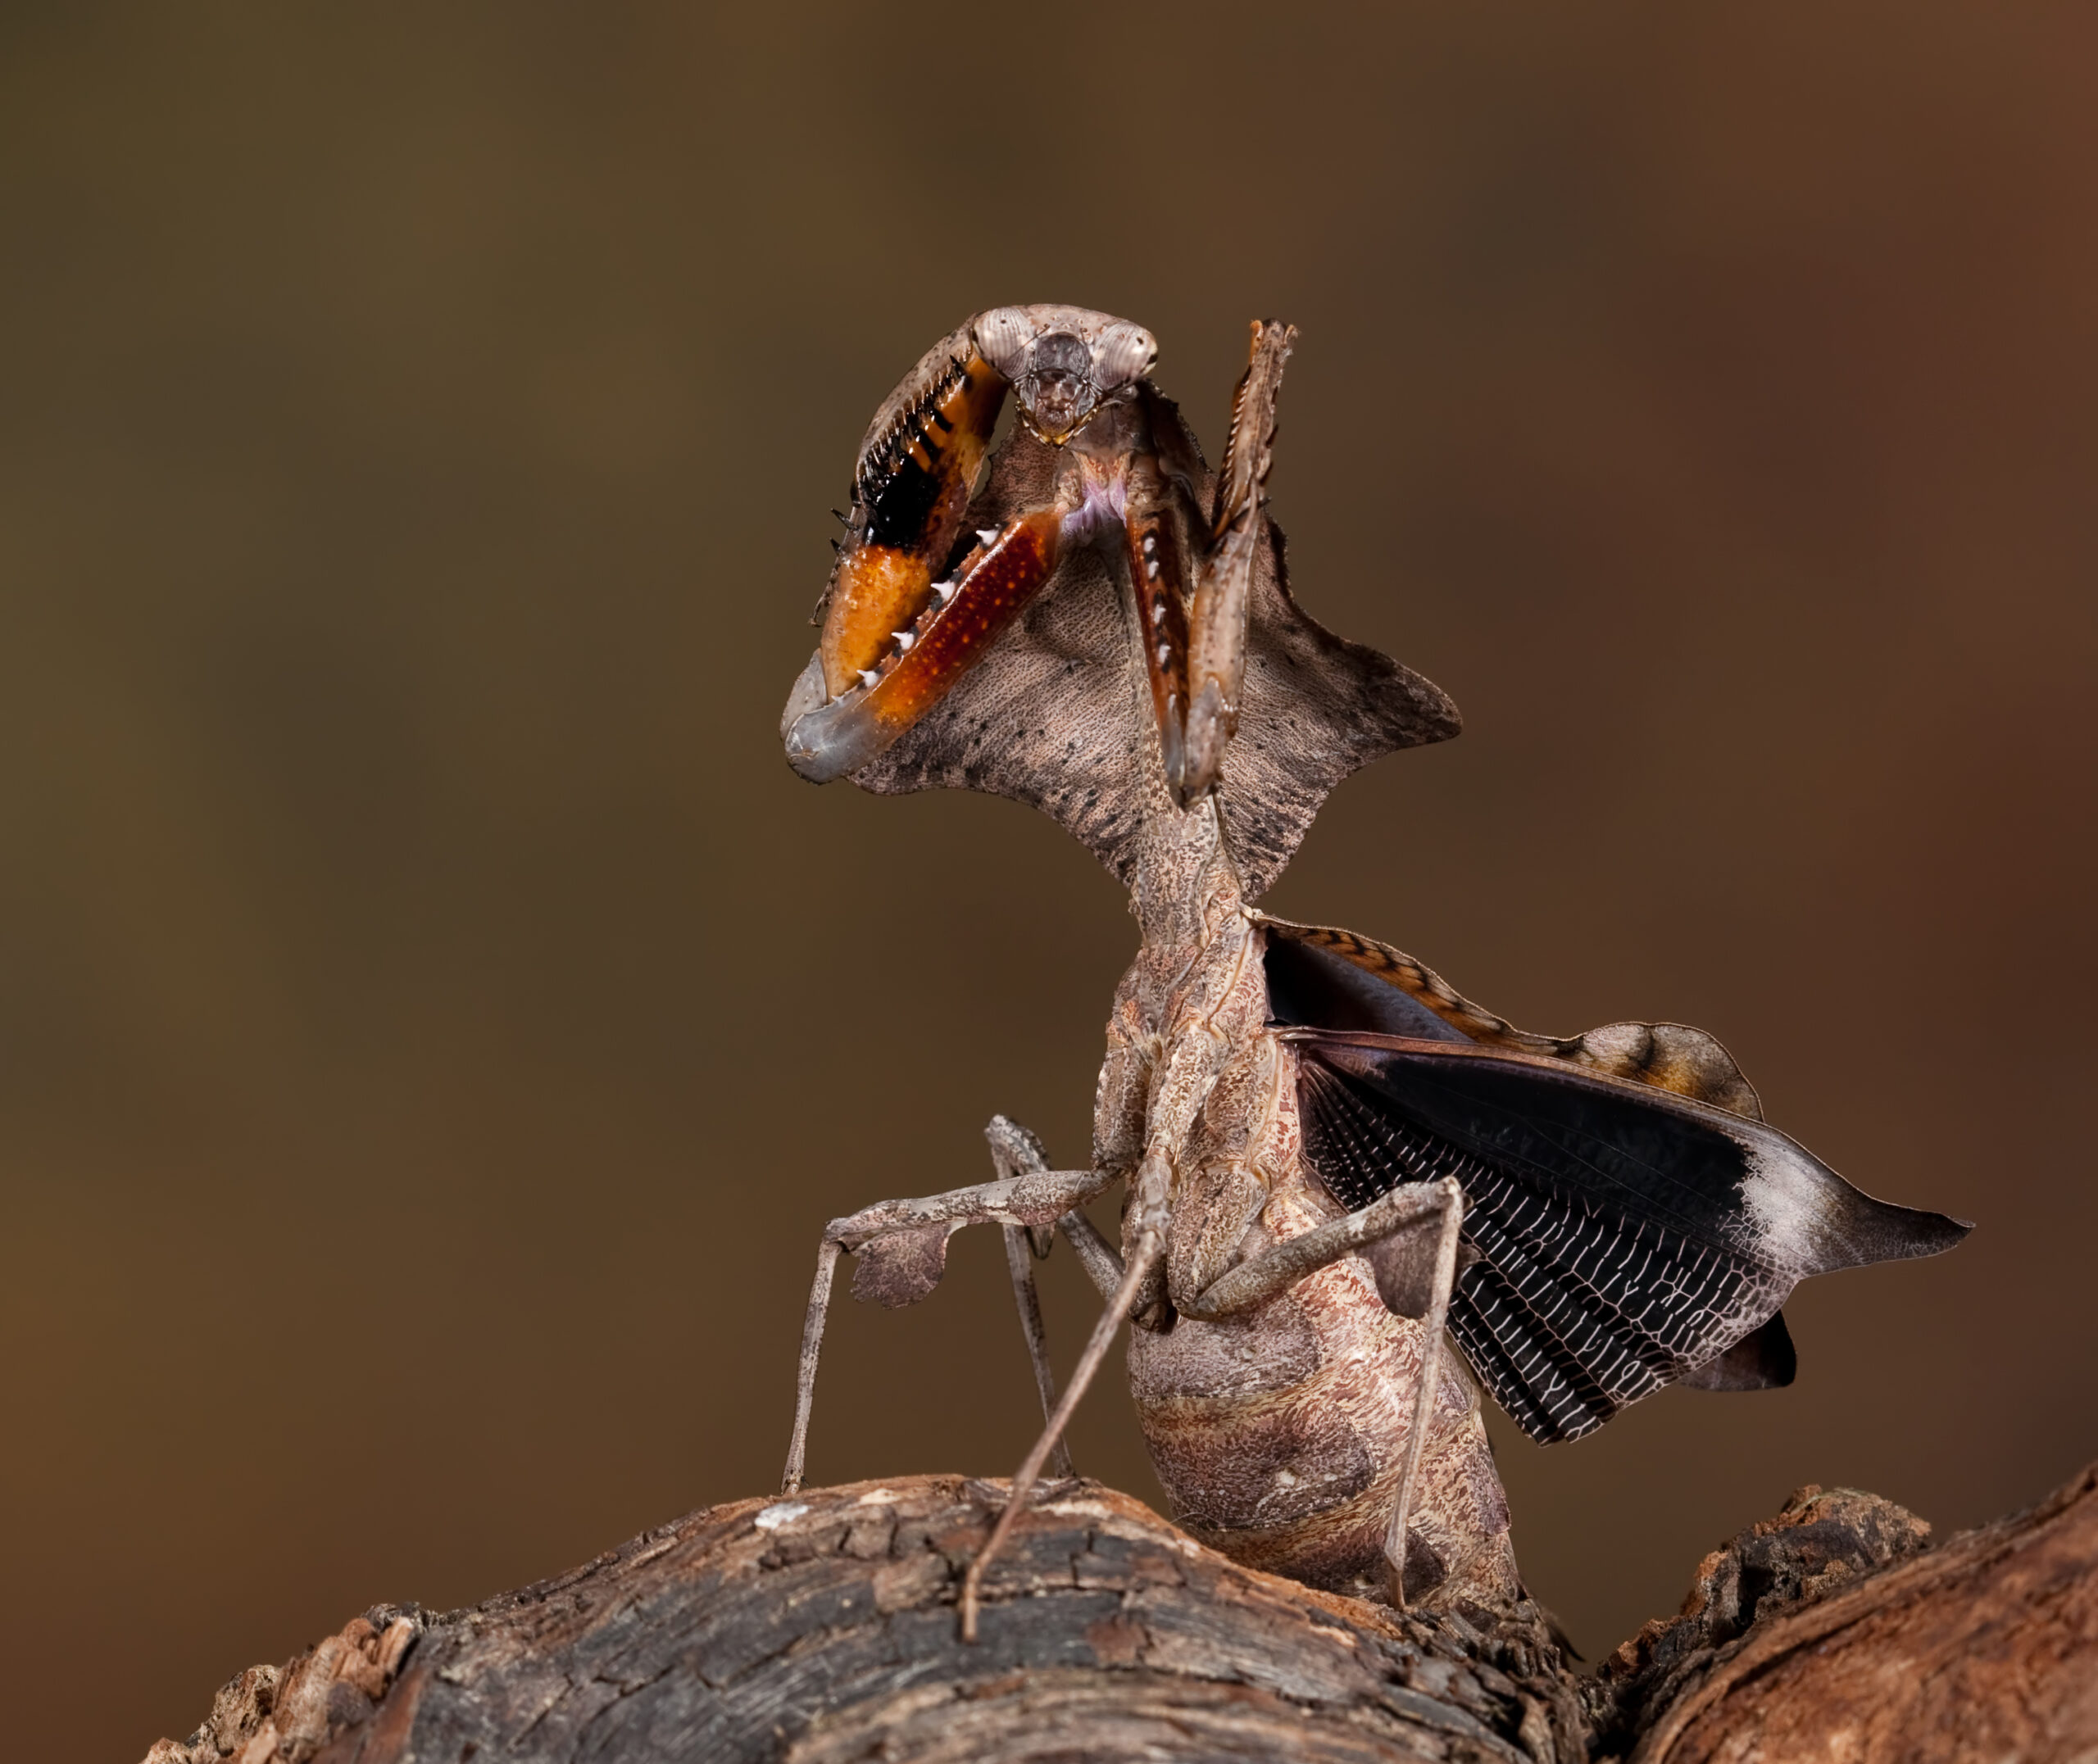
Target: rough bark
column 822, row 1630
column 1985, row 1647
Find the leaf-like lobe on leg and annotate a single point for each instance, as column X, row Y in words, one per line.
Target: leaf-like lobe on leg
column 1404, row 1265
column 901, row 1267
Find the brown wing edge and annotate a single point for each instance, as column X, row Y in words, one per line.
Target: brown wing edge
column 1670, row 1056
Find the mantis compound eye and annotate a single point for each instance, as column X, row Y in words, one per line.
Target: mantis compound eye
column 1064, row 363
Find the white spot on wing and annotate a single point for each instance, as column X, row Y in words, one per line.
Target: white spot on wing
column 1787, row 1199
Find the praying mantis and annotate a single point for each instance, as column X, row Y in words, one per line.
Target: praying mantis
column 1334, row 1166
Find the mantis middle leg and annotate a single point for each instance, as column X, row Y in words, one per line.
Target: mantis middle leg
column 900, row 1249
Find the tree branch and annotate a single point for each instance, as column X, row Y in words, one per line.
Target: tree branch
column 822, row 1629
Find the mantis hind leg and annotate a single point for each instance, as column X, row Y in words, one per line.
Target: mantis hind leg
column 1393, row 1222
column 1436, row 1322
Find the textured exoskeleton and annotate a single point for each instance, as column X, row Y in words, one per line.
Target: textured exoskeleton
column 1330, row 1156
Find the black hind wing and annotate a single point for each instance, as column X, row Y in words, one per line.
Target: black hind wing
column 1764, row 1359
column 1619, row 1238
column 1566, row 1313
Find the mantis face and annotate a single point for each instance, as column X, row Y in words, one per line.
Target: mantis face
column 1084, row 616
column 919, row 595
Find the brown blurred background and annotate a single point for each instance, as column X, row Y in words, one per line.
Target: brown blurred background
column 434, row 1024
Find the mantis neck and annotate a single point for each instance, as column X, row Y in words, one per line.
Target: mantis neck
column 1186, row 888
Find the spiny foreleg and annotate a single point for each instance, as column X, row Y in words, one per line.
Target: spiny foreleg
column 1224, row 587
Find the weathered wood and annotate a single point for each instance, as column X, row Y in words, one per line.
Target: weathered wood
column 822, row 1629
column 1985, row 1647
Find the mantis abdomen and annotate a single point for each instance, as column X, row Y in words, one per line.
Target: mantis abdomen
column 1280, row 1436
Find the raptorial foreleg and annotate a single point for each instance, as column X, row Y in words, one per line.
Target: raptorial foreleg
column 900, row 1248
column 1392, row 1223
column 1224, row 588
